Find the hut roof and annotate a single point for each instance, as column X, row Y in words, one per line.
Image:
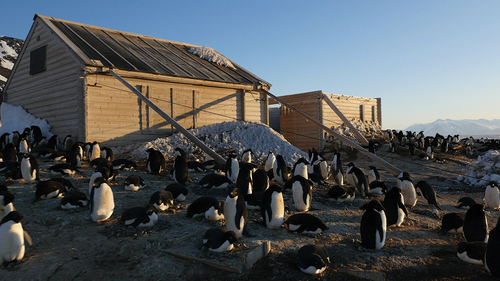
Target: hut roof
column 121, row 50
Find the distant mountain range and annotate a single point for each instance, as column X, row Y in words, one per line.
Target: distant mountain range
column 9, row 50
column 464, row 128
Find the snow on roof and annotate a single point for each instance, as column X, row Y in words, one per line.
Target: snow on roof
column 211, row 55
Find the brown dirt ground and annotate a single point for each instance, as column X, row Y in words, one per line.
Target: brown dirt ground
column 68, row 245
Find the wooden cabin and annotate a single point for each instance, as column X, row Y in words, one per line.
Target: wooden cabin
column 305, row 135
column 61, row 75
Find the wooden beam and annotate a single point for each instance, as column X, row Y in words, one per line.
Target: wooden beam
column 345, row 140
column 357, row 134
column 185, row 132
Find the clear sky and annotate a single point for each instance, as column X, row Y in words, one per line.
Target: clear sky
column 427, row 60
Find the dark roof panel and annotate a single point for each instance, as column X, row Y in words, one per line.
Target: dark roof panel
column 127, row 51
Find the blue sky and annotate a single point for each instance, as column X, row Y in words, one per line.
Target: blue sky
column 427, row 60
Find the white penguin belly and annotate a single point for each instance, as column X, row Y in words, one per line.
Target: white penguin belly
column 278, row 209
column 226, row 246
column 12, row 241
column 313, row 270
column 131, row 187
column 103, row 204
column 298, row 197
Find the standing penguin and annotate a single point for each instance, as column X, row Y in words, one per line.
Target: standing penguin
column 476, row 224
column 24, row 146
column 232, row 168
column 179, row 171
column 11, row 238
column 244, row 181
column 29, row 168
column 302, row 193
column 300, row 168
column 94, row 151
column 108, row 154
column 373, row 175
column 246, row 157
column 373, row 225
column 102, row 202
column 356, row 178
column 492, row 196
column 67, row 143
column 219, row 240
column 408, row 190
column 235, row 212
column 9, row 153
column 395, row 209
column 156, row 161
column 260, row 180
column 273, row 207
column 280, row 170
column 305, row 224
column 428, row 193
column 270, row 161
column 492, row 255
column 313, row 259
column 6, row 198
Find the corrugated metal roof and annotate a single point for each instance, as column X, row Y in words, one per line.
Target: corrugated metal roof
column 122, row 50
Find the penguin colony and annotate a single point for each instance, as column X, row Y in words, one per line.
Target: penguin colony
column 387, row 206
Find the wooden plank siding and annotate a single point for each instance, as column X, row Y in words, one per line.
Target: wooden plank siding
column 51, row 94
column 298, row 131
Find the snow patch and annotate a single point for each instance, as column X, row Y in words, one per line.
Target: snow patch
column 211, row 55
column 482, row 171
column 16, row 118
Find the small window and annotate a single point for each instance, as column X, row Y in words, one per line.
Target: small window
column 38, row 60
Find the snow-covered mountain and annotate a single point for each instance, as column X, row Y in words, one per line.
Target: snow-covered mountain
column 9, row 50
column 466, row 127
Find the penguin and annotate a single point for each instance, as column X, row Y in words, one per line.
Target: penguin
column 452, row 222
column 207, row 206
column 75, row 155
column 465, row 202
column 94, row 151
column 395, row 209
column 430, row 152
column 247, row 156
column 123, row 164
column 102, row 202
column 260, row 180
column 108, row 154
column 49, row 189
column 472, row 252
column 36, row 134
column 232, row 168
column 195, row 166
column 133, row 183
column 24, row 146
column 11, row 238
column 162, row 200
column 4, row 140
column 244, row 181
column 300, row 168
column 373, row 174
column 302, row 193
column 179, row 191
column 356, row 178
column 179, row 172
column 208, row 161
column 253, row 201
column 408, row 190
column 53, row 143
column 492, row 196
column 103, row 162
column 219, row 240
column 492, row 254
column 29, row 168
column 273, row 207
column 305, row 224
column 140, row 216
column 321, row 167
column 316, row 179
column 74, row 199
column 314, row 158
column 214, row 181
column 475, row 224
column 6, row 199
column 9, row 153
column 45, row 153
column 102, row 172
column 59, row 156
column 67, row 143
column 373, row 225
column 156, row 162
column 313, row 259
column 377, row 188
column 235, row 212
column 340, row 194
column 63, row 169
column 428, row 192
column 269, row 164
column 15, row 138
column 280, row 170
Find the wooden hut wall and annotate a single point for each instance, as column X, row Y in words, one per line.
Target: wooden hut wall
column 364, row 109
column 53, row 94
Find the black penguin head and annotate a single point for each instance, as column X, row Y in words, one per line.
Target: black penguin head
column 149, row 150
column 150, row 209
column 374, row 204
column 230, row 236
column 466, row 201
column 476, row 208
column 14, row 216
column 234, row 193
column 350, row 164
column 98, row 182
column 7, row 196
column 316, row 261
column 180, row 151
column 492, row 184
column 275, row 188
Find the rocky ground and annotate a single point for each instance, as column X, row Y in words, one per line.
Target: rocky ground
column 68, row 245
